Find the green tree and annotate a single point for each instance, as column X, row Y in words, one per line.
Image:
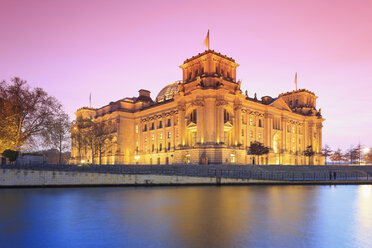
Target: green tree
column 258, row 149
column 309, row 152
column 11, row 155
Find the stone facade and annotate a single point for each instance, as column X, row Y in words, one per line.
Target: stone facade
column 205, row 118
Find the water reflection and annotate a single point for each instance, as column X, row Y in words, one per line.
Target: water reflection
column 363, row 216
column 254, row 216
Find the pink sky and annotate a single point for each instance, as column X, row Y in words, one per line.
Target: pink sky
column 114, row 48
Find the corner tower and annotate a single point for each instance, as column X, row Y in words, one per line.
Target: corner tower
column 209, row 70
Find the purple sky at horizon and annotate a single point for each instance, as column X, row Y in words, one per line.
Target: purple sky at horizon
column 114, row 48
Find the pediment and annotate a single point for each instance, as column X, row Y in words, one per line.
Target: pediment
column 279, row 103
column 228, row 124
column 191, row 124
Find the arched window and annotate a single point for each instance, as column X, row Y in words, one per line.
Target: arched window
column 226, row 116
column 193, row 116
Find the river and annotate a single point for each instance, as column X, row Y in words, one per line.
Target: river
column 193, row 216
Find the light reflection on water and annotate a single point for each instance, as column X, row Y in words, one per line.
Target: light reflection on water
column 228, row 216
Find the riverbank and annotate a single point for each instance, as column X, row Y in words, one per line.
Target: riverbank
column 28, row 177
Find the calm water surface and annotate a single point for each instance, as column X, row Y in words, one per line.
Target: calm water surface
column 228, row 216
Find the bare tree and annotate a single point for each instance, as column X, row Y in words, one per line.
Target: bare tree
column 368, row 157
column 57, row 135
column 337, row 156
column 352, row 154
column 103, row 137
column 28, row 113
column 326, row 152
column 97, row 135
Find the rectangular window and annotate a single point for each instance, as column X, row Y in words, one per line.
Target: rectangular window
column 169, row 122
column 169, row 145
column 145, row 128
column 251, row 121
column 169, row 135
column 251, row 134
column 160, row 124
column 161, row 136
column 153, row 137
column 136, row 128
column 242, row 132
column 259, row 135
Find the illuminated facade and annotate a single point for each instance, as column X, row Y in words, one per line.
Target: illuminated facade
column 205, row 118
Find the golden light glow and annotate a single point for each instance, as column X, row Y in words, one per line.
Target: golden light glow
column 220, row 132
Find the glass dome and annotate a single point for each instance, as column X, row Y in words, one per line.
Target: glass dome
column 168, row 92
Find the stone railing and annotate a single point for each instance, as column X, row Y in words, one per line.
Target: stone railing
column 266, row 172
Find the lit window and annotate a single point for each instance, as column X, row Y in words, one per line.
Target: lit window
column 161, row 136
column 153, row 137
column 251, row 121
column 259, row 135
column 169, row 135
column 136, row 128
column 145, row 139
column 251, row 134
column 293, row 129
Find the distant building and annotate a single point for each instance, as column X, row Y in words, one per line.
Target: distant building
column 205, row 117
column 30, row 159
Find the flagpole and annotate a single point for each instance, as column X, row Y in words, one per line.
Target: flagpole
column 209, row 40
